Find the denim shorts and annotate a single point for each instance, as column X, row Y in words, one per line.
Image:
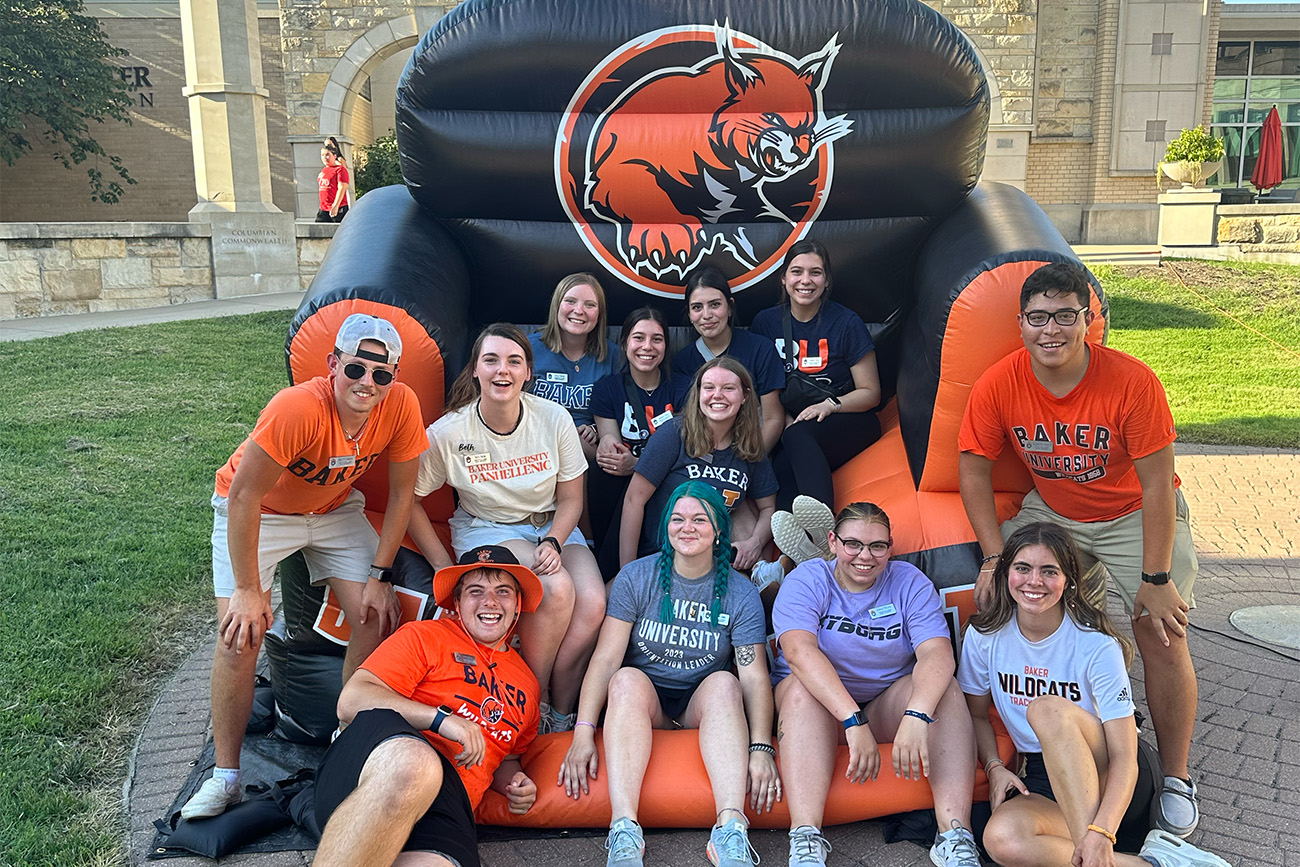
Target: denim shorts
column 468, row 532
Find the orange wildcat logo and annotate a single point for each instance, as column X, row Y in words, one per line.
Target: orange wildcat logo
column 694, row 141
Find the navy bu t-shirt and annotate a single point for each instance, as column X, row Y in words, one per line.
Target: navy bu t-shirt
column 635, row 424
column 826, row 347
column 751, row 350
column 665, row 464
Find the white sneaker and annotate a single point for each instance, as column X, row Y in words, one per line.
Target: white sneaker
column 817, row 519
column 955, row 848
column 808, row 848
column 1176, row 808
column 625, row 844
column 1170, row 851
column 211, row 799
column 792, row 539
column 766, row 573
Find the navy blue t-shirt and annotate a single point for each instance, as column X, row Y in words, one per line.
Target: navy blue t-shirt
column 665, row 464
column 566, row 382
column 826, row 347
column 635, row 424
column 751, row 350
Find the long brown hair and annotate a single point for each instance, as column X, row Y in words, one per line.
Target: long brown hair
column 746, row 434
column 597, row 340
column 465, row 390
column 1057, row 540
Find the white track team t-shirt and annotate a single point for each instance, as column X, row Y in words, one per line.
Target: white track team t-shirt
column 1083, row 666
column 503, row 479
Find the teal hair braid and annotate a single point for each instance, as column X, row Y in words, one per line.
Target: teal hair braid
column 720, row 519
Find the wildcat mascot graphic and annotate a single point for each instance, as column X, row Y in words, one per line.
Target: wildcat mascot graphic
column 681, row 161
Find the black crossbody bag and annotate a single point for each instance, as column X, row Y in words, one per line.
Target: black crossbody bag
column 801, row 390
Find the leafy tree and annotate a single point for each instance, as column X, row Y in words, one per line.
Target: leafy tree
column 377, row 165
column 53, row 70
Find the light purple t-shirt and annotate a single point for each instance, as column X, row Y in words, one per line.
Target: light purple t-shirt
column 870, row 636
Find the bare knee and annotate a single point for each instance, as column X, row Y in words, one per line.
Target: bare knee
column 402, row 774
column 721, row 688
column 557, row 591
column 1049, row 714
column 1002, row 838
column 628, row 684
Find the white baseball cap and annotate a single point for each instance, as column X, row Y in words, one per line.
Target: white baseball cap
column 362, row 326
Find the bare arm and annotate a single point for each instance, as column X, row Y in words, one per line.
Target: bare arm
column 639, row 491
column 749, row 550
column 580, row 762
column 930, row 677
column 365, row 691
column 423, row 535
column 756, row 694
column 1163, row 602
column 397, row 513
column 773, row 419
column 568, row 509
column 1002, row 780
column 248, row 615
column 818, row 676
column 510, row 780
column 975, row 478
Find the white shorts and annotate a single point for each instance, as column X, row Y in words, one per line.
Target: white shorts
column 337, row 544
column 468, row 532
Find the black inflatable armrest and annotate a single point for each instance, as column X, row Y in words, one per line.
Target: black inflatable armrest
column 996, row 224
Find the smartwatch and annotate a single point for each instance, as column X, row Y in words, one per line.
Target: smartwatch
column 856, row 719
column 1155, row 578
column 441, row 714
column 554, row 541
column 382, row 574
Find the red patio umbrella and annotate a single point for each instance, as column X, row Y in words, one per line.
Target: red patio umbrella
column 1268, row 168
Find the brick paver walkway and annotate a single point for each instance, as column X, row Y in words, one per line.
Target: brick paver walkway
column 1246, row 753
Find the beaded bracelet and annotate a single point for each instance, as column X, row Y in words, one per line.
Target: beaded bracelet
column 763, row 748
column 990, row 557
column 923, row 717
column 1103, row 832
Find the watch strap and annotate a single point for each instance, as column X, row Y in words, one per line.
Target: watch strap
column 441, row 714
column 381, row 573
column 856, row 719
column 1155, row 578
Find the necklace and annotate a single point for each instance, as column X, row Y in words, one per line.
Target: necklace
column 355, row 439
column 479, row 413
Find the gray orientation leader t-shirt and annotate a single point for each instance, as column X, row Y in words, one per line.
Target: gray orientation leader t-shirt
column 682, row 653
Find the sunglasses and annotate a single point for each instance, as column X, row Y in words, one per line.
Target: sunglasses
column 353, row 370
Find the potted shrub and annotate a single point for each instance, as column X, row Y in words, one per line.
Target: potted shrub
column 1192, row 157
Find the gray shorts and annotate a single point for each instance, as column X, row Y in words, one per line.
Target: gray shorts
column 1115, row 547
column 338, row 544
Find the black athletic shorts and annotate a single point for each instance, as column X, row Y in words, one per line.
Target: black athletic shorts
column 673, row 700
column 447, row 828
column 1136, row 822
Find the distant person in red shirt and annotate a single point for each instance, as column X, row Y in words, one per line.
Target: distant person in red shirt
column 1093, row 427
column 333, row 181
column 438, row 714
column 288, row 488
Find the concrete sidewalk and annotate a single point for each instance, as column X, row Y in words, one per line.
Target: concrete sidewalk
column 50, row 326
column 1245, row 755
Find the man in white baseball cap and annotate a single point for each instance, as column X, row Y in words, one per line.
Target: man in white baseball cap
column 288, row 488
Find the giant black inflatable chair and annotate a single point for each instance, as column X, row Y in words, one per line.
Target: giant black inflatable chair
column 638, row 139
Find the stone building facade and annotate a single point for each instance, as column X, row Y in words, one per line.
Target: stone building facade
column 1086, row 94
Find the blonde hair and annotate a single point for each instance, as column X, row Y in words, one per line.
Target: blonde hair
column 868, row 513
column 746, row 432
column 597, row 340
column 465, row 390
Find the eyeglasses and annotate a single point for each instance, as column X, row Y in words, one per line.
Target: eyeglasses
column 381, row 377
column 1066, row 316
column 854, row 547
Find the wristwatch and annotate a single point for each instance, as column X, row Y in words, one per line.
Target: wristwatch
column 382, row 574
column 856, row 719
column 1155, row 578
column 441, row 714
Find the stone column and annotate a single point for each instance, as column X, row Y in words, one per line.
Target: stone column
column 254, row 249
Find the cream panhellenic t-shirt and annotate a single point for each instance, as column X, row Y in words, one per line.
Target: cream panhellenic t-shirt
column 503, row 478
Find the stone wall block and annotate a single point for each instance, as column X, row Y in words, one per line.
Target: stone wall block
column 154, row 296
column 169, row 277
column 133, row 273
column 311, row 251
column 1275, row 234
column 196, row 252
column 59, row 256
column 72, row 284
column 1240, row 230
column 98, row 248
column 1051, row 88
column 1074, row 108
column 20, row 277
column 1049, row 126
column 153, row 247
column 186, row 294
column 28, row 304
column 64, row 308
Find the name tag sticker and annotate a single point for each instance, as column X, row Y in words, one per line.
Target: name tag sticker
column 724, row 619
column 811, row 361
column 343, row 461
column 883, row 611
column 661, row 418
column 475, row 460
column 466, row 659
column 557, row 377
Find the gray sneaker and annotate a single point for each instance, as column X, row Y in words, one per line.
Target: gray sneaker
column 625, row 843
column 729, row 845
column 1170, row 851
column 817, row 519
column 792, row 539
column 1176, row 808
column 808, row 847
column 955, row 848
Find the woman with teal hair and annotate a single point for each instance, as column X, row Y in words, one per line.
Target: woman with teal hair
column 675, row 622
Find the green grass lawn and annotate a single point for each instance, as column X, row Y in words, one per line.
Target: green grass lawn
column 1226, row 382
column 112, row 438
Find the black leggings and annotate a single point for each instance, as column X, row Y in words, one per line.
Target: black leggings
column 811, row 450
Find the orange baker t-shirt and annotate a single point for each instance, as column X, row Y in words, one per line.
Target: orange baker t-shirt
column 1079, row 448
column 301, row 431
column 435, row 662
